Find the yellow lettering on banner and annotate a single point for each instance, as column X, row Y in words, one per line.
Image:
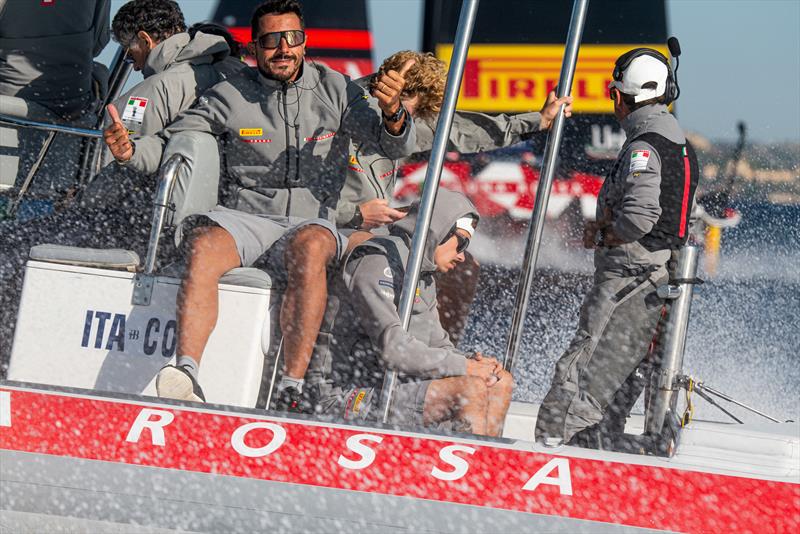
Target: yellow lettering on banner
column 518, row 77
column 251, row 132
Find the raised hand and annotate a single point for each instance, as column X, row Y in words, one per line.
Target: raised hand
column 116, row 137
column 551, row 107
column 389, row 87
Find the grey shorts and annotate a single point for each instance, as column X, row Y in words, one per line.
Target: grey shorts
column 261, row 239
column 361, row 404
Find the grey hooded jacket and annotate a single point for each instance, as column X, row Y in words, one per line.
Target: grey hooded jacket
column 631, row 195
column 47, row 51
column 371, row 174
column 177, row 71
column 285, row 144
column 362, row 333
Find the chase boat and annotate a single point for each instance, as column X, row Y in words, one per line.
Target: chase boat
column 86, row 446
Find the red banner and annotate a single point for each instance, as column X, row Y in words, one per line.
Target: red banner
column 466, row 472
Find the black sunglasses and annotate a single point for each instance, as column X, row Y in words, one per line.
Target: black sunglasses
column 273, row 39
column 463, row 243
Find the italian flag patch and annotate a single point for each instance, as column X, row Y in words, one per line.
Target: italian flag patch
column 134, row 109
column 639, row 160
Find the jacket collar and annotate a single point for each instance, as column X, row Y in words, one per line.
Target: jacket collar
column 638, row 121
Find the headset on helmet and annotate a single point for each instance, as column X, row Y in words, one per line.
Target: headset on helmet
column 671, row 90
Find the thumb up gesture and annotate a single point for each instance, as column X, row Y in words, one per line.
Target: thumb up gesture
column 116, row 137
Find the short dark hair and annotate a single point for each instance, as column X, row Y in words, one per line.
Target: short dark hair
column 275, row 7
column 212, row 28
column 633, row 105
column 161, row 19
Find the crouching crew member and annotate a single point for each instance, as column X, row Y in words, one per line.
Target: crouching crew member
column 371, row 176
column 643, row 214
column 362, row 335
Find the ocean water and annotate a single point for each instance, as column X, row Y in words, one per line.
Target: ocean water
column 744, row 335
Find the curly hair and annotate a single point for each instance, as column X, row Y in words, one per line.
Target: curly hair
column 425, row 79
column 161, row 19
column 279, row 7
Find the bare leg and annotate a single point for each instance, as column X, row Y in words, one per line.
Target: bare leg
column 456, row 291
column 462, row 399
column 213, row 253
column 499, row 399
column 356, row 238
column 306, row 257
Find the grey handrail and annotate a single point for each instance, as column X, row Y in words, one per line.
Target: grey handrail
column 50, row 127
column 466, row 22
column 579, row 9
column 166, row 183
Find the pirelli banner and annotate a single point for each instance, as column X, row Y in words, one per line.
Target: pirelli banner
column 517, row 78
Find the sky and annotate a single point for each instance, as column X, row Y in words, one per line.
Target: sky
column 740, row 60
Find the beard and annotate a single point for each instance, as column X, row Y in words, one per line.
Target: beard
column 280, row 73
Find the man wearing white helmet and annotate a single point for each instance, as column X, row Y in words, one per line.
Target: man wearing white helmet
column 642, row 215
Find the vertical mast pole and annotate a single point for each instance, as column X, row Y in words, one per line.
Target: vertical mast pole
column 536, row 226
column 466, row 22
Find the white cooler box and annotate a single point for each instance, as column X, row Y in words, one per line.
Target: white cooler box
column 77, row 327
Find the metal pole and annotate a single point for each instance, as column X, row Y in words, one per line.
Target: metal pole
column 673, row 342
column 466, row 21
column 579, row 9
column 14, row 206
column 169, row 172
column 48, row 127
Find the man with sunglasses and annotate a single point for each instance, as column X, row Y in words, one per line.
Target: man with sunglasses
column 363, row 335
column 643, row 212
column 285, row 129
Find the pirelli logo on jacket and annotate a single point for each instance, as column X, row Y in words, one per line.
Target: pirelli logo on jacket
column 253, row 135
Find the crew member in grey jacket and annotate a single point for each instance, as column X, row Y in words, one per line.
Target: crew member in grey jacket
column 285, row 130
column 371, row 176
column 47, row 50
column 363, row 335
column 643, row 212
column 117, row 206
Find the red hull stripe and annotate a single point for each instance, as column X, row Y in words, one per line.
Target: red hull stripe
column 491, row 475
column 321, row 38
column 687, row 180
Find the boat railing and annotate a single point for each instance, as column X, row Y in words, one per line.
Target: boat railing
column 16, row 115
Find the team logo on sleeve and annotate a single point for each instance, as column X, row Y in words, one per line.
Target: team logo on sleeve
column 134, row 109
column 639, row 160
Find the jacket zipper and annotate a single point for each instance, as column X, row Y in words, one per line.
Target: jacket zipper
column 286, row 150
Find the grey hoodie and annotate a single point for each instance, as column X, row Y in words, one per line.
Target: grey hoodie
column 177, row 71
column 362, row 334
column 371, row 174
column 46, row 51
column 285, row 144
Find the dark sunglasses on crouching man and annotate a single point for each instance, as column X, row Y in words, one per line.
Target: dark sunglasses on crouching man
column 273, row 39
column 463, row 242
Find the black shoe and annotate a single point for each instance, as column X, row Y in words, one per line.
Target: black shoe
column 292, row 401
column 178, row 383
